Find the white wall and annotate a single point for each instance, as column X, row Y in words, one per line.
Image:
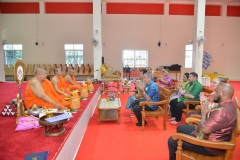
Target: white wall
column 2, row 73
column 121, row 32
column 51, row 32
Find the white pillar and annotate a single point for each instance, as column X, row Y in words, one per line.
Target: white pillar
column 2, row 72
column 166, row 8
column 97, row 38
column 199, row 16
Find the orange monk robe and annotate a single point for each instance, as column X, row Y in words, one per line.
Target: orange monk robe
column 76, row 86
column 62, row 85
column 51, row 92
column 31, row 99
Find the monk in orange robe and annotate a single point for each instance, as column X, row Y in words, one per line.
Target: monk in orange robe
column 34, row 93
column 59, row 83
column 71, row 82
column 50, row 91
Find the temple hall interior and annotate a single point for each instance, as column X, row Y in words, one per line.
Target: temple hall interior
column 106, row 43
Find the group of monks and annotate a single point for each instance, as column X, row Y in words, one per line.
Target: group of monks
column 50, row 94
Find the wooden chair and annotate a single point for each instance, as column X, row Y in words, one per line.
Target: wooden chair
column 43, row 66
column 187, row 110
column 81, row 70
column 173, row 88
column 194, row 119
column 7, row 70
column 227, row 146
column 76, row 69
column 30, row 69
column 51, row 70
column 91, row 70
column 87, row 69
column 162, row 110
column 11, row 69
column 64, row 69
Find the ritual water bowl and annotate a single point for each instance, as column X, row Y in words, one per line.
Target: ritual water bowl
column 35, row 111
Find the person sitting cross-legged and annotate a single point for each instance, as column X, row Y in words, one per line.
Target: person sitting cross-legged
column 217, row 123
column 39, row 94
column 150, row 93
column 71, row 82
column 59, row 83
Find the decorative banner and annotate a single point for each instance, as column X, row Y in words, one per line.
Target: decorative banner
column 207, row 59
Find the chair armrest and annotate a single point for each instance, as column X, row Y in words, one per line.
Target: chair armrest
column 153, row 103
column 196, row 116
column 192, row 120
column 204, row 143
column 191, row 102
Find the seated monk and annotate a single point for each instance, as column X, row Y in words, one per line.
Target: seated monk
column 50, row 91
column 71, row 82
column 59, row 83
column 34, row 93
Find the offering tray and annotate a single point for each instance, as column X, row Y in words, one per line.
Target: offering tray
column 54, row 128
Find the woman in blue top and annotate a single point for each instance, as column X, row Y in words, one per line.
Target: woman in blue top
column 150, row 93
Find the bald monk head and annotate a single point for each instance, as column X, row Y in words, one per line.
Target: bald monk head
column 70, row 72
column 224, row 92
column 57, row 71
column 40, row 74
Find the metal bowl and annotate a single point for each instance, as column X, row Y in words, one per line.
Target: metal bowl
column 35, row 112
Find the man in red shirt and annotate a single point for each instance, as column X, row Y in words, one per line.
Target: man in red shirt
column 218, row 120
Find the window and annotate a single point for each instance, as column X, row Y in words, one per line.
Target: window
column 135, row 58
column 12, row 53
column 74, row 53
column 188, row 55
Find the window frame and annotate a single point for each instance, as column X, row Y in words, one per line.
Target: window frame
column 77, row 51
column 188, row 56
column 15, row 52
column 133, row 60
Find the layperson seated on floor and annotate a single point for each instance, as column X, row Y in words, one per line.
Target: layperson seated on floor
column 150, row 93
column 59, row 83
column 216, row 123
column 191, row 93
column 36, row 93
column 166, row 80
column 210, row 98
column 71, row 82
column 138, row 84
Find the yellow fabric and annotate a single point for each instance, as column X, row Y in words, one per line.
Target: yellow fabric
column 212, row 75
column 102, row 69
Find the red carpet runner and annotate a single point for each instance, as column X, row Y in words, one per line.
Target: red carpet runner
column 125, row 141
column 14, row 145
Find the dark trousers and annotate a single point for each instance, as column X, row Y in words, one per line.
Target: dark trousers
column 172, row 145
column 137, row 110
column 176, row 109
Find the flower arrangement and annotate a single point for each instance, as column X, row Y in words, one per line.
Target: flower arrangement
column 207, row 59
column 112, row 96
